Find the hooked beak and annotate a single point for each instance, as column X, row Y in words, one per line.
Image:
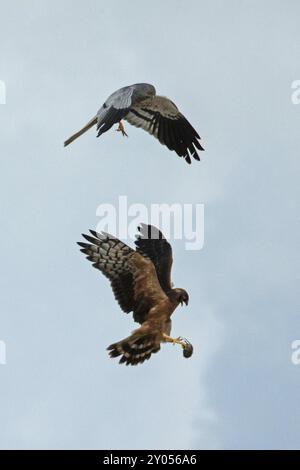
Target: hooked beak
column 184, row 301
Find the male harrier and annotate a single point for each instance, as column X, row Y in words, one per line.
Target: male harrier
column 140, row 106
column 141, row 282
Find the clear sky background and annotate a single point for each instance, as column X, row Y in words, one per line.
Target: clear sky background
column 229, row 66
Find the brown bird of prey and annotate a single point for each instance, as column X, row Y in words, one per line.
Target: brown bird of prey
column 140, row 106
column 141, row 282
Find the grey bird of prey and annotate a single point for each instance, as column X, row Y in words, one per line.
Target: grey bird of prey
column 141, row 282
column 140, row 106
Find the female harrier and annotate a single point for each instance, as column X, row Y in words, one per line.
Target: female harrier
column 141, row 283
column 140, row 106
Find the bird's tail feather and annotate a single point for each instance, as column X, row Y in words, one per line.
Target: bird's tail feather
column 75, row 136
column 135, row 349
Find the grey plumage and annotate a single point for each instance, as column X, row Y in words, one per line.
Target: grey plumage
column 139, row 105
column 117, row 105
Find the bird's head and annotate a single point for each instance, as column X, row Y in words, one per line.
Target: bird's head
column 181, row 296
column 149, row 90
column 144, row 91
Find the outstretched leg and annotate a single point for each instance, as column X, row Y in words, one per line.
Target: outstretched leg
column 121, row 128
column 169, row 339
column 185, row 344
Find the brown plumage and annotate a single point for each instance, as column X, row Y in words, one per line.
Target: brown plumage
column 141, row 282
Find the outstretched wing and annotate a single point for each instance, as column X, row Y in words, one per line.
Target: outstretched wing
column 161, row 118
column 132, row 276
column 153, row 244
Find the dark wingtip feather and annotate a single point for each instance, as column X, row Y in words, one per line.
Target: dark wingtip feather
column 198, row 145
column 83, row 245
column 94, row 233
column 90, row 239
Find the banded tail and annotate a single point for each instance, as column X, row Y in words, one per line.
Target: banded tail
column 75, row 136
column 135, row 349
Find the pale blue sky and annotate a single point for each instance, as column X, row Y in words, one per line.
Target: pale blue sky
column 229, row 67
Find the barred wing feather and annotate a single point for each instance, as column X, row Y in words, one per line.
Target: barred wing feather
column 161, row 118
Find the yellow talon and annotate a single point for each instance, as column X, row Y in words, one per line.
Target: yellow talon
column 184, row 343
column 174, row 341
column 121, row 128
